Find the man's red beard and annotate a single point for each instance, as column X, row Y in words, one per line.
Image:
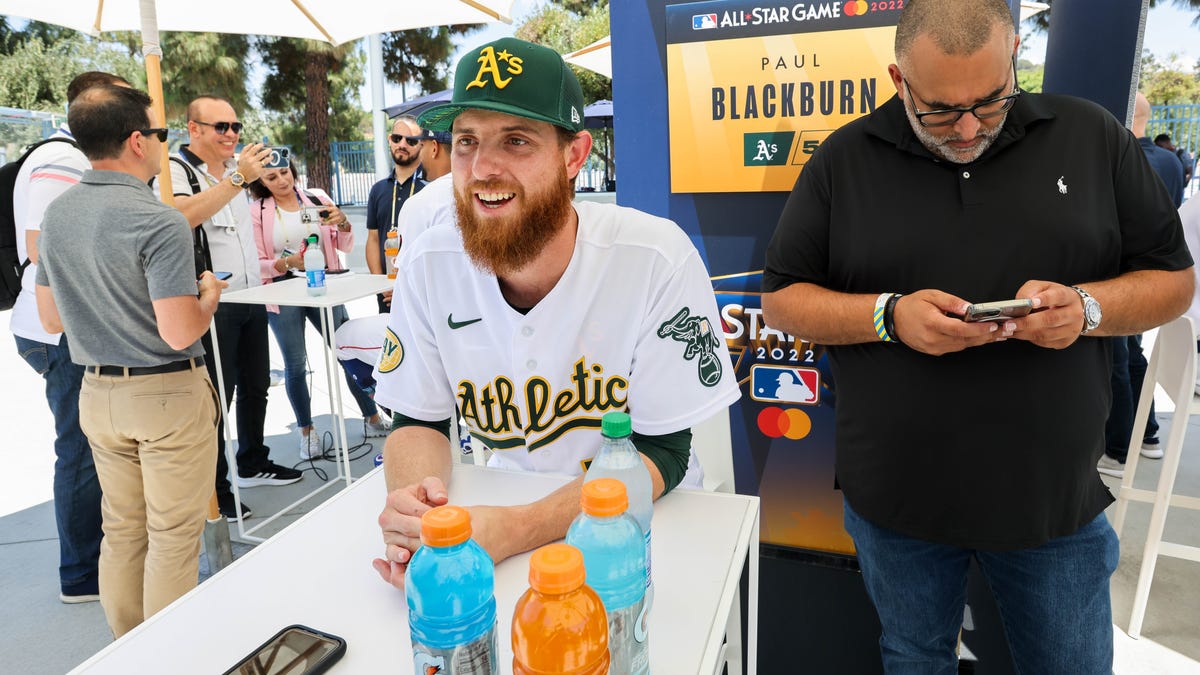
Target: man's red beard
column 504, row 245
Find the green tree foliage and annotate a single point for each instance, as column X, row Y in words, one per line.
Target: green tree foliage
column 565, row 31
column 203, row 63
column 421, row 56
column 1167, row 83
column 39, row 63
column 314, row 88
column 1029, row 76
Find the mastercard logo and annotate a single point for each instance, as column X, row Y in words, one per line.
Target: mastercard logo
column 786, row 422
column 855, row 8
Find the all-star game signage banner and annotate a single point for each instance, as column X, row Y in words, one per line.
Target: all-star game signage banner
column 753, row 88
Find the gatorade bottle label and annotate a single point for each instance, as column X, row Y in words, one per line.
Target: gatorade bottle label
column 316, row 278
column 628, row 645
column 478, row 657
column 649, row 578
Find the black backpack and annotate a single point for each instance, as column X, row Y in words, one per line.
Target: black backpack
column 11, row 265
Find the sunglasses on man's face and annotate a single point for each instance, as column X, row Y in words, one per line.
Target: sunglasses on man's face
column 222, row 127
column 411, row 140
column 161, row 133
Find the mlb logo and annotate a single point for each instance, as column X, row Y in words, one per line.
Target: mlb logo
column 785, row 384
column 704, row 21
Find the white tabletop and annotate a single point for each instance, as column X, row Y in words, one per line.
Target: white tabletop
column 341, row 288
column 303, row 575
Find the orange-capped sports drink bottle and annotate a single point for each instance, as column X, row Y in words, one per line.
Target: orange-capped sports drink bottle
column 391, row 251
column 559, row 626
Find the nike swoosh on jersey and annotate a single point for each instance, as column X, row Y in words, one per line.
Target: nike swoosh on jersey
column 455, row 325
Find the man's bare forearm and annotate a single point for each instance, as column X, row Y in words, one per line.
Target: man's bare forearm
column 413, row 453
column 1140, row 300
column 821, row 315
column 200, row 207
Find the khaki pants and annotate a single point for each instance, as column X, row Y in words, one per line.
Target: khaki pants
column 153, row 439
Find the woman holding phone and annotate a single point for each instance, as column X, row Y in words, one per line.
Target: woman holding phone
column 284, row 216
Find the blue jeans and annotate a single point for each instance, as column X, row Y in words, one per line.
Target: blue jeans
column 1128, row 370
column 76, row 488
column 1053, row 599
column 288, row 327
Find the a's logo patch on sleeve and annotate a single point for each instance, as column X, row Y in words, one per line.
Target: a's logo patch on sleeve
column 695, row 332
column 392, row 352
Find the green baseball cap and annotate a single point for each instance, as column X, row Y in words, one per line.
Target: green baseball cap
column 514, row 77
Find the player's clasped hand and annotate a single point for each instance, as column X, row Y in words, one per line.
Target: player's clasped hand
column 922, row 322
column 1057, row 317
column 401, row 525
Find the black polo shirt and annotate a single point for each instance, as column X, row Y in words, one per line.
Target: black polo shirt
column 993, row 447
column 386, row 199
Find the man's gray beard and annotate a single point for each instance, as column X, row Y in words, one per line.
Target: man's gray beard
column 941, row 146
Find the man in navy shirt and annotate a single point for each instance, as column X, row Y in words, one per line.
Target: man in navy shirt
column 388, row 196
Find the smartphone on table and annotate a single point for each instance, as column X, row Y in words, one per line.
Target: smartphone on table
column 998, row 311
column 295, row 650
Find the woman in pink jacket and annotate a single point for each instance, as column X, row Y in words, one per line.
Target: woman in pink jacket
column 280, row 228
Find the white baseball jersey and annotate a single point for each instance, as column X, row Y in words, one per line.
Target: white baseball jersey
column 632, row 324
column 433, row 205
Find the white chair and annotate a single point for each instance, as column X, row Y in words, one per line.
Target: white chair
column 714, row 450
column 1173, row 367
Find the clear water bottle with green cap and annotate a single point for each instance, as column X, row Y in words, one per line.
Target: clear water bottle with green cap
column 314, row 266
column 619, row 459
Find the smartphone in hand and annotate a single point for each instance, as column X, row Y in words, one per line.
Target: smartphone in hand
column 998, row 311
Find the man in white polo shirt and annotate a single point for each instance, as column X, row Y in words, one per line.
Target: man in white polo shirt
column 209, row 191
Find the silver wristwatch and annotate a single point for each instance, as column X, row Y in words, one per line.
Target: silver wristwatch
column 1091, row 311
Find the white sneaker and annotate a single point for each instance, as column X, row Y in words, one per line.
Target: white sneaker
column 1152, row 450
column 310, row 445
column 376, row 429
column 1110, row 467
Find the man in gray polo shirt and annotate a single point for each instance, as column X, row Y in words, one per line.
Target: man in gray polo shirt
column 117, row 276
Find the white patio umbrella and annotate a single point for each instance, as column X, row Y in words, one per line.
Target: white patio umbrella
column 333, row 21
column 596, row 57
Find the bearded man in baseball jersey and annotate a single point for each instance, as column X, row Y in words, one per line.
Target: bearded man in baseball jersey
column 535, row 316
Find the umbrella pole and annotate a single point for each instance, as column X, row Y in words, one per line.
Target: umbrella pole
column 154, row 84
column 216, row 529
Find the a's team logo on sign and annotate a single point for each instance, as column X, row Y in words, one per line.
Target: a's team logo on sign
column 767, row 149
column 784, row 384
column 704, row 21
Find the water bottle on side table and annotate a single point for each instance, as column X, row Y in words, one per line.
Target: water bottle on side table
column 614, row 555
column 314, row 266
column 559, row 626
column 391, row 250
column 451, row 598
column 618, row 459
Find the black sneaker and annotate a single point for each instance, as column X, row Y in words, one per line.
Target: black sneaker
column 268, row 474
column 225, row 506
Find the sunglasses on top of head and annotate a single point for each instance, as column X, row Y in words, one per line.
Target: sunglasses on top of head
column 411, row 140
column 222, row 127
